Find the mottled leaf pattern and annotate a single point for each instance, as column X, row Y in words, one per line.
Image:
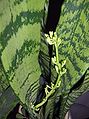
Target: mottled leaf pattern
column 19, row 45
column 19, row 48
column 73, row 28
column 8, row 99
column 70, row 98
column 3, row 80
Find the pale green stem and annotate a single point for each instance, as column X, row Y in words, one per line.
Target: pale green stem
column 49, row 94
column 46, row 98
column 57, row 57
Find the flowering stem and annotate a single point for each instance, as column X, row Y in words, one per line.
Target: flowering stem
column 58, row 81
column 46, row 98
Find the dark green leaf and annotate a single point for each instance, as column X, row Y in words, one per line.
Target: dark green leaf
column 3, row 80
column 8, row 101
column 73, row 29
column 19, row 45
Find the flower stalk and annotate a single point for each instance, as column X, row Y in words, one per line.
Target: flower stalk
column 59, row 67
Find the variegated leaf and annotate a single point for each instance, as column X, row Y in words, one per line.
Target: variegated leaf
column 19, row 45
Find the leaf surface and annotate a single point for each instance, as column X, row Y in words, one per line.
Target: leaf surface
column 73, row 29
column 19, row 45
column 8, row 101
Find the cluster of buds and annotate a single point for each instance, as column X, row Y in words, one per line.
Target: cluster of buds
column 52, row 38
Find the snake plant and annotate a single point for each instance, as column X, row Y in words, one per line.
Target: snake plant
column 23, row 46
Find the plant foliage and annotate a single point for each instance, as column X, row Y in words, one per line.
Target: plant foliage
column 73, row 28
column 7, row 97
column 19, row 45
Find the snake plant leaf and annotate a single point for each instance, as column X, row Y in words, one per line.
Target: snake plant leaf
column 8, row 101
column 73, row 28
column 70, row 98
column 3, row 80
column 19, row 45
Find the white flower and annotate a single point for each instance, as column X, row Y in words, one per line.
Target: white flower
column 54, row 60
column 51, row 34
column 63, row 63
column 57, row 70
